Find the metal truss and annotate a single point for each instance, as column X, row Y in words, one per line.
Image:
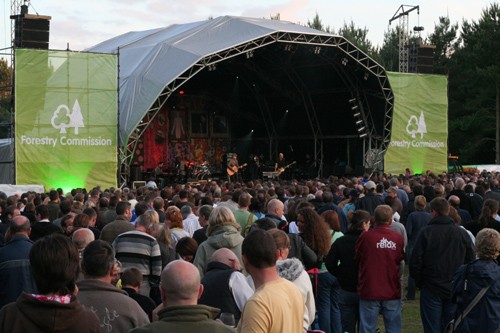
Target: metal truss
column 268, row 121
column 311, row 116
column 404, row 41
column 348, row 49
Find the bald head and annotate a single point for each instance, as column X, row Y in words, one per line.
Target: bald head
column 454, row 201
column 20, row 225
column 459, row 184
column 82, row 237
column 227, row 257
column 180, row 284
column 275, row 207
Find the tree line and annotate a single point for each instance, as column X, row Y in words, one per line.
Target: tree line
column 470, row 57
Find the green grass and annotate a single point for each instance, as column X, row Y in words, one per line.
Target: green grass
column 410, row 313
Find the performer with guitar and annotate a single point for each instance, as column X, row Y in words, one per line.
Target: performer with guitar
column 233, row 169
column 281, row 165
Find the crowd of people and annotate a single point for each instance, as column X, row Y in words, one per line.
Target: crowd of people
column 262, row 256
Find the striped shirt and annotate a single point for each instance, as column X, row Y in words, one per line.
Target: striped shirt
column 140, row 250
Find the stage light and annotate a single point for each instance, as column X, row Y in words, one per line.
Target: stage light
column 181, row 92
column 251, row 131
column 288, row 47
column 357, row 114
column 363, row 135
column 352, row 100
column 317, row 50
column 344, row 61
column 249, row 54
column 365, row 76
column 361, row 129
column 355, row 107
column 359, row 122
column 286, row 111
column 212, row 67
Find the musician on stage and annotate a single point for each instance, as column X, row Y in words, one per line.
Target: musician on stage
column 233, row 169
column 280, row 163
column 254, row 167
column 159, row 176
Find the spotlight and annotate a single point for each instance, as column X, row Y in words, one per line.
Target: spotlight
column 359, row 122
column 237, row 77
column 352, row 100
column 317, row 50
column 249, row 54
column 361, row 129
column 344, row 61
column 357, row 114
column 251, row 131
column 355, row 107
column 365, row 76
column 363, row 135
column 212, row 68
column 286, row 111
column 288, row 47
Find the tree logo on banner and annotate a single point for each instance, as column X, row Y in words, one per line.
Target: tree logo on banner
column 416, row 125
column 63, row 118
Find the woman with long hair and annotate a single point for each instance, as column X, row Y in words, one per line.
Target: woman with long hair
column 173, row 220
column 161, row 232
column 486, row 219
column 341, row 263
column 314, row 231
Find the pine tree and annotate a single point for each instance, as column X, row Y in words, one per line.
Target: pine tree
column 76, row 118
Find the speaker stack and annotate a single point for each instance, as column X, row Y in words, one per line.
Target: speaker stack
column 31, row 31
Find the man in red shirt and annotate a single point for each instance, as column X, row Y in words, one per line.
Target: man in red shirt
column 379, row 252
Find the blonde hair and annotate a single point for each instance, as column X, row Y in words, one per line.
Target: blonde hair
column 221, row 216
column 420, row 202
column 155, row 218
column 488, row 244
column 163, row 235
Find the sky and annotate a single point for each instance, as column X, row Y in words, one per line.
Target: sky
column 85, row 23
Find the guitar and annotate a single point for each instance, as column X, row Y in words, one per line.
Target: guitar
column 281, row 170
column 234, row 169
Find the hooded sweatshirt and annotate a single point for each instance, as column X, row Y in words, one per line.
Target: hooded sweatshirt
column 293, row 270
column 29, row 314
column 117, row 312
column 227, row 236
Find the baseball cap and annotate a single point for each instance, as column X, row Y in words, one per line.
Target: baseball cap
column 370, row 185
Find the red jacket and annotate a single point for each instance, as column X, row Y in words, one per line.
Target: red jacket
column 379, row 252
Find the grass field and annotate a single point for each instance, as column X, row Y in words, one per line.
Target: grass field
column 410, row 314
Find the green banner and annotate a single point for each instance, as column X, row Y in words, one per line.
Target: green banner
column 66, row 119
column 419, row 137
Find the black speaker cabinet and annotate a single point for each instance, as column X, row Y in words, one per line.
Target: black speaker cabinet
column 32, row 31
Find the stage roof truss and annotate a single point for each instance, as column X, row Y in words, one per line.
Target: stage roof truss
column 283, row 33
